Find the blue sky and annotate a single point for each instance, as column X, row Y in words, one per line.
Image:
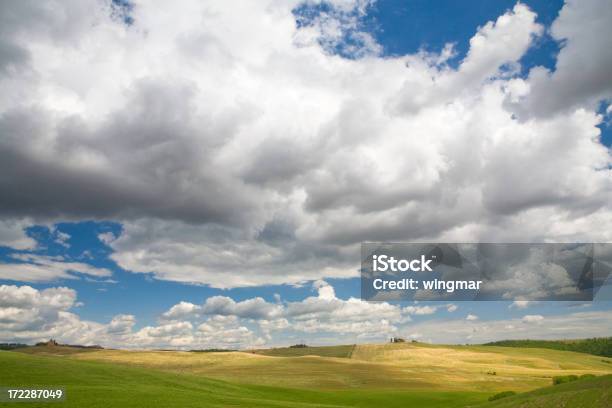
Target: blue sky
column 201, row 139
column 406, row 27
column 147, row 297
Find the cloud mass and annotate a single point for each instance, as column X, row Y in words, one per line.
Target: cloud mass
column 237, row 148
column 31, row 315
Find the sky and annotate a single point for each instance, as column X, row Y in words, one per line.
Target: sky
column 200, row 174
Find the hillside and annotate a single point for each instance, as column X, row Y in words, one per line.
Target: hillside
column 589, row 393
column 601, row 346
column 101, row 384
column 54, row 350
column 370, row 375
column 405, row 366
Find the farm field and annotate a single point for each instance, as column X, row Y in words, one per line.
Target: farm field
column 356, row 375
column 102, row 384
column 377, row 366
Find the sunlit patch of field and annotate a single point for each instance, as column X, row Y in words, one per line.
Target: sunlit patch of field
column 405, row 366
column 251, row 368
column 484, row 366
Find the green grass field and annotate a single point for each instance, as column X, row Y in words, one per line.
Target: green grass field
column 389, row 375
column 596, row 392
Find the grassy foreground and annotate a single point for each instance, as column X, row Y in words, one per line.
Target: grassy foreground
column 98, row 384
column 590, row 393
column 389, row 375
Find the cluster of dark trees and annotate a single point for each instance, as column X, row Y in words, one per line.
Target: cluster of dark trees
column 12, row 346
column 599, row 346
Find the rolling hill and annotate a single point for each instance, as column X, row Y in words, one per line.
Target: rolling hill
column 375, row 366
column 103, row 384
column 589, row 393
column 356, row 375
